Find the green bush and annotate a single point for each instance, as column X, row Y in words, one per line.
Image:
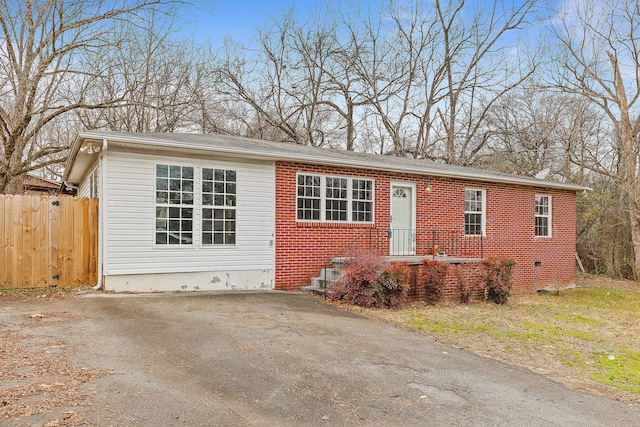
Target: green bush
column 497, row 278
column 432, row 277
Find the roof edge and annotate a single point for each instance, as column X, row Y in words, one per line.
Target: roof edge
column 374, row 163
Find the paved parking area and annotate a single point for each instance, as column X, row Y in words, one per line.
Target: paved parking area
column 208, row 359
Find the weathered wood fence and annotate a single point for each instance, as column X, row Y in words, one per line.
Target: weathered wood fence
column 48, row 241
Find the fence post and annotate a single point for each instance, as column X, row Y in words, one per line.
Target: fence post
column 433, row 244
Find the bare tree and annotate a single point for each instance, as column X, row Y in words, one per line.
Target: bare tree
column 157, row 77
column 532, row 129
column 45, row 47
column 599, row 44
column 397, row 45
column 263, row 80
column 478, row 69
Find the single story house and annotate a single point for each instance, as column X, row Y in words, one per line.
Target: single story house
column 208, row 212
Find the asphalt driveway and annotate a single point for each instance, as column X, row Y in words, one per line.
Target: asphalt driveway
column 279, row 359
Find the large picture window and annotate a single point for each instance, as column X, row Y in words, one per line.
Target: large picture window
column 474, row 212
column 335, row 199
column 543, row 216
column 218, row 207
column 174, row 205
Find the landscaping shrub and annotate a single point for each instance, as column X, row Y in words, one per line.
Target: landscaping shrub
column 497, row 278
column 370, row 281
column 468, row 282
column 432, row 276
column 393, row 285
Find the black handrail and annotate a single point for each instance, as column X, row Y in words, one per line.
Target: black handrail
column 425, row 242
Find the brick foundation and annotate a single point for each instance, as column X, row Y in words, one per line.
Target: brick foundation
column 451, row 290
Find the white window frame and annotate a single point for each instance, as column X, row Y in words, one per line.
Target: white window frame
column 94, row 178
column 548, row 216
column 227, row 205
column 354, row 200
column 350, row 199
column 168, row 205
column 197, row 218
column 482, row 212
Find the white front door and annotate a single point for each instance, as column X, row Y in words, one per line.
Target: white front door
column 402, row 233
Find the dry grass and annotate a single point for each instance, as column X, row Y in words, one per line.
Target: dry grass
column 587, row 338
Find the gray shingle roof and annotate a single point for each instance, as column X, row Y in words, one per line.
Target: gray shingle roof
column 258, row 149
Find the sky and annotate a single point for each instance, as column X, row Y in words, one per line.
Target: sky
column 239, row 18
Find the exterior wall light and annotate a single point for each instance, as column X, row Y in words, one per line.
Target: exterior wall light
column 90, row 148
column 427, row 187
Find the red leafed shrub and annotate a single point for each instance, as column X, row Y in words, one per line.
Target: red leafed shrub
column 469, row 282
column 497, row 278
column 370, row 281
column 393, row 285
column 432, row 276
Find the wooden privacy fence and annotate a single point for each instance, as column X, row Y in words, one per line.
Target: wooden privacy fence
column 48, row 241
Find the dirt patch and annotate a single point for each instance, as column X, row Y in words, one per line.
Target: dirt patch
column 37, row 373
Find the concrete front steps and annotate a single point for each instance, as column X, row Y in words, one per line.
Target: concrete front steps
column 328, row 276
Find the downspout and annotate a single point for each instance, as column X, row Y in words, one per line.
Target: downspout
column 102, row 174
column 71, row 186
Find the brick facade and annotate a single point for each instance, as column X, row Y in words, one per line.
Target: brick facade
column 303, row 248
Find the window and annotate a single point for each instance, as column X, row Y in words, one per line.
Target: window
column 362, row 204
column 218, row 207
column 336, row 199
column 174, row 205
column 309, row 197
column 93, row 183
column 330, row 198
column 543, row 216
column 474, row 212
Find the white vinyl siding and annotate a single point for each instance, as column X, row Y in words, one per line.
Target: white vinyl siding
column 91, row 184
column 131, row 218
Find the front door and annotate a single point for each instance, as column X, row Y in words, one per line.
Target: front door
column 402, row 234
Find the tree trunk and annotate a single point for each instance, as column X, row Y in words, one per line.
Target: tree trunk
column 628, row 163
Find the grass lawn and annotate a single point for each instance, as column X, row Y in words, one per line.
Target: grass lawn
column 587, row 338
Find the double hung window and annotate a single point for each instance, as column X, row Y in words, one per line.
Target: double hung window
column 474, row 212
column 174, row 205
column 308, row 197
column 218, row 207
column 177, row 201
column 334, row 199
column 543, row 216
column 362, row 200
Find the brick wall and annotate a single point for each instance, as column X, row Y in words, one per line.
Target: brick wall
column 302, row 248
column 451, row 291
